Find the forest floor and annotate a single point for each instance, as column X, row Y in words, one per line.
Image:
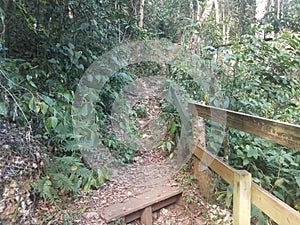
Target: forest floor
column 149, row 169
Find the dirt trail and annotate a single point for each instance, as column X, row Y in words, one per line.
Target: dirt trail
column 150, row 168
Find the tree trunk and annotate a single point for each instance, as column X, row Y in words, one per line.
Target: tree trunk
column 261, row 7
column 225, row 27
column 216, row 4
column 141, row 22
column 192, row 11
column 207, row 11
column 198, row 12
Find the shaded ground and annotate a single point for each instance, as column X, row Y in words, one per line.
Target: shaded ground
column 191, row 209
column 20, row 166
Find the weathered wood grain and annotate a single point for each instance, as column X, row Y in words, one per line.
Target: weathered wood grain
column 133, row 208
column 146, row 217
column 221, row 168
column 285, row 134
column 242, row 198
column 276, row 209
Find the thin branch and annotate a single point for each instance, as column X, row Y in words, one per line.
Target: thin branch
column 13, row 97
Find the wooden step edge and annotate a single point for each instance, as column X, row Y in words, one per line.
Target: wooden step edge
column 133, row 208
column 157, row 206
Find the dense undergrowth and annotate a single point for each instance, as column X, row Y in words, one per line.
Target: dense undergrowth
column 47, row 47
column 261, row 78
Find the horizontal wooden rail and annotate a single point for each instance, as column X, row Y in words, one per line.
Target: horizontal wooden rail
column 279, row 132
column 276, row 209
column 221, row 168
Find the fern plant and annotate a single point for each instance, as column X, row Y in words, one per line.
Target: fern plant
column 67, row 175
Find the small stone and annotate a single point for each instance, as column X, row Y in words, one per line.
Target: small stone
column 164, row 211
column 90, row 215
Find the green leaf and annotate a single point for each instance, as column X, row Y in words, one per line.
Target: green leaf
column 297, row 204
column 51, row 122
column 48, row 124
column 261, row 218
column 229, row 194
column 159, row 144
column 246, row 162
column 48, row 100
column 279, row 182
column 278, row 195
column 31, row 104
column 71, row 46
column 68, row 96
column 44, row 108
column 3, row 109
column 257, row 212
column 173, row 129
column 70, row 53
column 52, row 60
column 80, row 66
column 297, row 181
column 77, row 55
column 252, row 152
column 29, row 79
column 169, row 146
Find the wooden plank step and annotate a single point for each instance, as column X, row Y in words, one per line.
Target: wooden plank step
column 142, row 206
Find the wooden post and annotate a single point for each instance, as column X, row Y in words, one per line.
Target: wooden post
column 146, row 218
column 242, row 198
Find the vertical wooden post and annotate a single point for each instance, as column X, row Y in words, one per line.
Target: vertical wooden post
column 242, row 198
column 146, row 218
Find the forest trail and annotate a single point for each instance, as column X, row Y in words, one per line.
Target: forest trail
column 151, row 177
column 151, row 174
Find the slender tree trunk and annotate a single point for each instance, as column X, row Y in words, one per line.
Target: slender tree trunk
column 277, row 16
column 207, row 11
column 225, row 26
column 141, row 22
column 192, row 11
column 217, row 9
column 242, row 12
column 198, row 16
column 261, row 7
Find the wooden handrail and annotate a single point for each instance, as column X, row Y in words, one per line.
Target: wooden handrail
column 244, row 190
column 282, row 133
column 221, row 168
column 276, row 209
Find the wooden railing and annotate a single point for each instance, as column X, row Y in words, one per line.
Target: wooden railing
column 245, row 191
